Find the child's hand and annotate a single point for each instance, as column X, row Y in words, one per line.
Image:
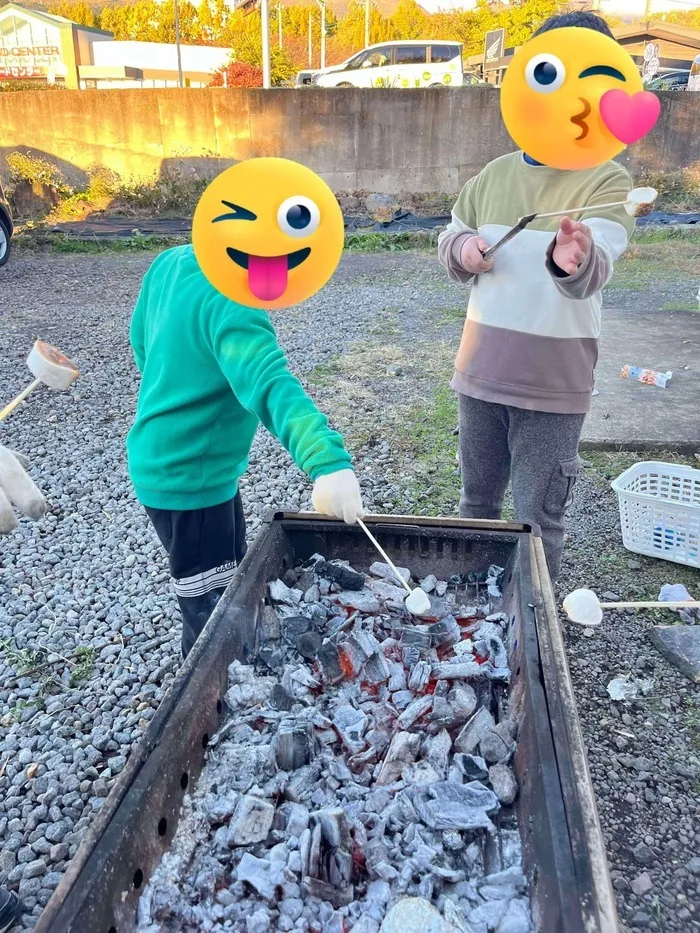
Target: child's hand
column 573, row 245
column 472, row 258
column 338, row 494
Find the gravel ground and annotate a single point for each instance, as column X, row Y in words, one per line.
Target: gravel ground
column 89, row 628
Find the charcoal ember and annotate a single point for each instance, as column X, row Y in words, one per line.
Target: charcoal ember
column 379, row 739
column 391, row 594
column 463, row 701
column 414, row 711
column 365, row 641
column 420, row 772
column 294, row 626
column 493, row 648
column 312, row 594
column 308, row 645
column 445, row 632
column 363, row 601
column 469, row 738
column 447, row 805
column 376, row 670
column 219, row 807
column 428, row 584
column 271, row 658
column 353, row 656
column 489, row 915
column 416, row 637
column 251, row 821
column 298, row 681
column 464, row 647
column 279, row 699
column 240, row 674
column 291, row 818
column 281, row 593
column 344, row 577
column 266, row 877
column 402, row 751
column 402, row 698
column 410, row 656
column 452, row 840
column 442, row 714
column 326, row 892
column 329, row 663
column 419, row 677
column 441, row 587
column 516, row 919
column 385, row 572
column 302, row 783
column 496, row 745
column 472, row 767
column 397, row 676
column 459, row 669
column 437, row 752
column 269, row 625
column 293, row 744
column 351, row 724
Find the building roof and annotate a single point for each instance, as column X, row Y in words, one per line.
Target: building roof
column 657, row 29
column 50, row 18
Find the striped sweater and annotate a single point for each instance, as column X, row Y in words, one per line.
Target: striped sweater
column 530, row 339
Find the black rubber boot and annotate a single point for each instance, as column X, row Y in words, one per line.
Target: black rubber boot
column 10, row 909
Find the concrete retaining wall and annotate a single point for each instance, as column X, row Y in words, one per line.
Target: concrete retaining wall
column 381, row 140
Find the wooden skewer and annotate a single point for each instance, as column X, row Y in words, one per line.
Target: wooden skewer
column 384, row 555
column 8, row 409
column 580, row 210
column 685, row 604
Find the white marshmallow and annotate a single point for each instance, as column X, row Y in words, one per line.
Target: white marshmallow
column 51, row 366
column 417, row 602
column 583, row 607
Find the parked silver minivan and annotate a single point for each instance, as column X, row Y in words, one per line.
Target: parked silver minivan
column 6, row 228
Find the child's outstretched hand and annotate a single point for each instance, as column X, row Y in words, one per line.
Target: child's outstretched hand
column 471, row 256
column 573, row 245
column 338, row 494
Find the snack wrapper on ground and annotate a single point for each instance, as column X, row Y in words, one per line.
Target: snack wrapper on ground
column 648, row 377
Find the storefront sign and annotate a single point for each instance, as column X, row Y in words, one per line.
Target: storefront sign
column 37, row 61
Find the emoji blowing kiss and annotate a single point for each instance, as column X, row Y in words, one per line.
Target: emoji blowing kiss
column 573, row 99
column 268, row 233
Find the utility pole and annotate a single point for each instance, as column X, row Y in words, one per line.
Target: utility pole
column 367, row 14
column 647, row 11
column 322, row 4
column 265, row 18
column 311, row 40
column 279, row 23
column 177, row 44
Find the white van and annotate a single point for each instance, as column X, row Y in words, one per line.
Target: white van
column 694, row 77
column 412, row 63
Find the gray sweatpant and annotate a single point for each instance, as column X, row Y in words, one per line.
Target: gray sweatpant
column 537, row 451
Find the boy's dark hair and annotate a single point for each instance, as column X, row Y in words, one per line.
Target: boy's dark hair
column 582, row 20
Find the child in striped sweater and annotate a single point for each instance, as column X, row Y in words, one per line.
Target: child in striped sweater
column 525, row 367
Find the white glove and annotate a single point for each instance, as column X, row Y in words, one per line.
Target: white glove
column 16, row 488
column 338, row 494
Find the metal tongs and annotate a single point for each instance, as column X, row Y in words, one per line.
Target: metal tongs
column 636, row 203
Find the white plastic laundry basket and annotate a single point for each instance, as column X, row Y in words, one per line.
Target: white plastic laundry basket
column 660, row 511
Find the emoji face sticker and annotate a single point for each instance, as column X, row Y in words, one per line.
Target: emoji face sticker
column 572, row 98
column 268, row 233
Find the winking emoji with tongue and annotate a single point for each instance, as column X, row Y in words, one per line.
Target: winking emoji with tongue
column 267, row 234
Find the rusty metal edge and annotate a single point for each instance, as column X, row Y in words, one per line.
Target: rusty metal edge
column 583, row 818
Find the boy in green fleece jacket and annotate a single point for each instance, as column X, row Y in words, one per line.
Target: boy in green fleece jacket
column 212, row 370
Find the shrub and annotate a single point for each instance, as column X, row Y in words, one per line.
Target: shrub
column 238, row 74
column 24, row 166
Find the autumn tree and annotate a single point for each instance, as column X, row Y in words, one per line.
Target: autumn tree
column 78, row 12
column 410, row 21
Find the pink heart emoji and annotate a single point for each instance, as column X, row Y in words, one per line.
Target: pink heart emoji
column 629, row 117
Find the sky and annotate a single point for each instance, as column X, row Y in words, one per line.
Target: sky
column 628, row 9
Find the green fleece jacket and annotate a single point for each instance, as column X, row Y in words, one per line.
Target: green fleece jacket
column 212, row 370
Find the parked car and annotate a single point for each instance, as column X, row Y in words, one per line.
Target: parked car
column 669, row 81
column 412, row 63
column 694, row 76
column 6, row 228
column 305, row 78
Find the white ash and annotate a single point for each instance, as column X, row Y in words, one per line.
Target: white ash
column 367, row 787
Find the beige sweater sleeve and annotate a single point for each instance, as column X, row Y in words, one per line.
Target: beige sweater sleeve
column 462, row 226
column 611, row 229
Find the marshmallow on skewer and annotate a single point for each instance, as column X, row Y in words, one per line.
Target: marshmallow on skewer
column 583, row 607
column 49, row 367
column 640, row 201
column 417, row 602
column 52, row 367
